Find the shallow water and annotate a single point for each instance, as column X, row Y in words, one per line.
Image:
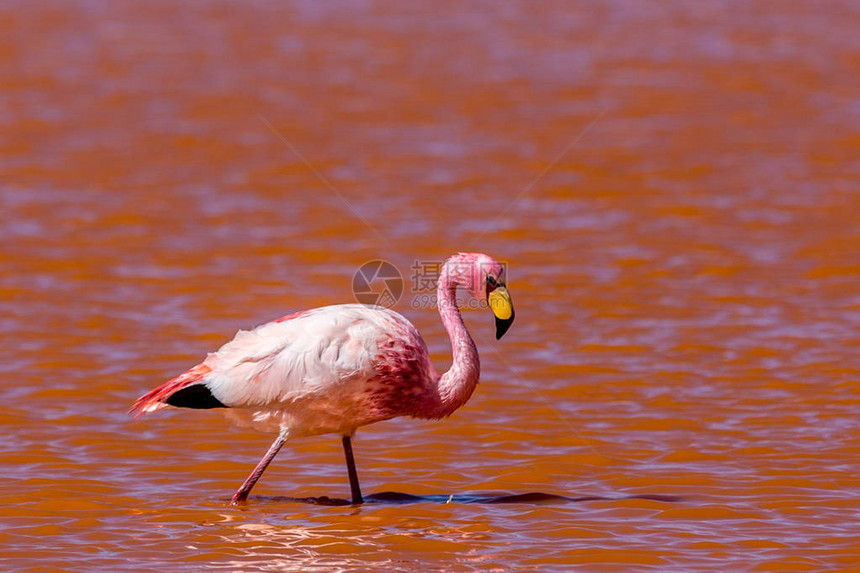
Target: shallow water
column 674, row 187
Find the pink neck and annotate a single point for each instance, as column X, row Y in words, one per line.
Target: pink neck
column 457, row 384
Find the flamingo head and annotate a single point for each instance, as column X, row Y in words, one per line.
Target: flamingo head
column 484, row 278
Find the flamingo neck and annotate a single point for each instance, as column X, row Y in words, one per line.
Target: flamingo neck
column 457, row 384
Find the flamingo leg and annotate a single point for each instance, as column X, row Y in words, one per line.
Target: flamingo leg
column 350, row 468
column 241, row 494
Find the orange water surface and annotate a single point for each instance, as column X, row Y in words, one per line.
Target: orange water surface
column 675, row 187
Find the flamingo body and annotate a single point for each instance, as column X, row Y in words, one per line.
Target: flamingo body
column 327, row 370
column 336, row 368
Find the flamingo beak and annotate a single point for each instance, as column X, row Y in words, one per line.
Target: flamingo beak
column 503, row 309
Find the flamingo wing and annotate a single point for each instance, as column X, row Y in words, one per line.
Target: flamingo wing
column 314, row 353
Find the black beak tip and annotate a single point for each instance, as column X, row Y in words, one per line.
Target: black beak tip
column 502, row 326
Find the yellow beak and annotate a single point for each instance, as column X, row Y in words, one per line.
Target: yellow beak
column 503, row 309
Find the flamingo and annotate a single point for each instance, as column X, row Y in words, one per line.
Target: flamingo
column 333, row 369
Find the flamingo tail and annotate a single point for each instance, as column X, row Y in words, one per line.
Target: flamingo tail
column 187, row 390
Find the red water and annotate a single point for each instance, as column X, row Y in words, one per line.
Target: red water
column 673, row 185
